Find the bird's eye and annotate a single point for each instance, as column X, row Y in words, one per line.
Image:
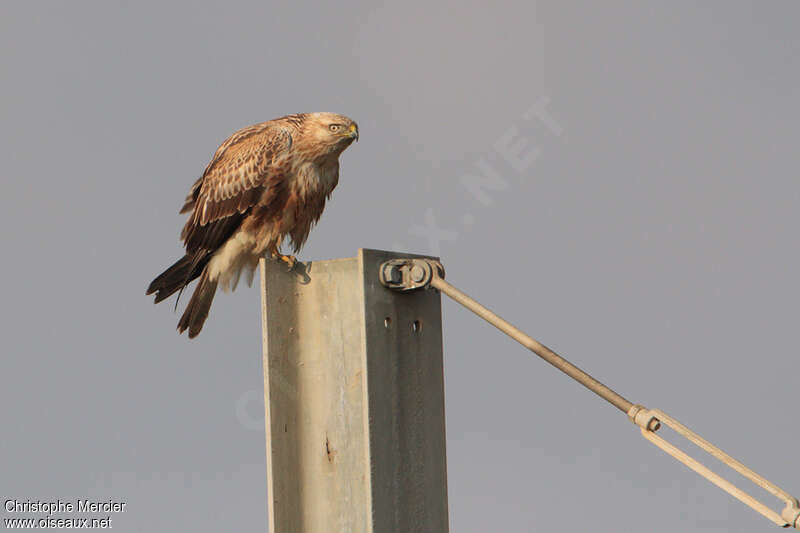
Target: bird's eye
column 335, row 127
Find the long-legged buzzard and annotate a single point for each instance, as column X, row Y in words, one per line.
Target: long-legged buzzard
column 265, row 183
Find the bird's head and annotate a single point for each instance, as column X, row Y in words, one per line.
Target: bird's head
column 336, row 132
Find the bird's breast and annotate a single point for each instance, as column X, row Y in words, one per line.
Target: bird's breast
column 311, row 180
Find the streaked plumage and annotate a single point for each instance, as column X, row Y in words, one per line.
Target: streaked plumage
column 265, row 183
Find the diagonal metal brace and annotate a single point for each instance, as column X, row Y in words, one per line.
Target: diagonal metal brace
column 414, row 274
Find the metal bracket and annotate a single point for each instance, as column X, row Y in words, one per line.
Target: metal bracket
column 409, row 274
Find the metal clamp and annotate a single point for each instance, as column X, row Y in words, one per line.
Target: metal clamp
column 410, row 274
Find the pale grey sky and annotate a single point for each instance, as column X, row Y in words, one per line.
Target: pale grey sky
column 648, row 233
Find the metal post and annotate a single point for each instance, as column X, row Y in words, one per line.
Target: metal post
column 354, row 400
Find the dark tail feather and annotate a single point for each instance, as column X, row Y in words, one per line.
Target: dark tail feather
column 177, row 276
column 197, row 311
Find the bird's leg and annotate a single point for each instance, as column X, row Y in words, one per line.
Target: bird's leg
column 290, row 260
column 275, row 252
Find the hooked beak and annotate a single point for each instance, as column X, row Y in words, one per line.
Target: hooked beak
column 354, row 131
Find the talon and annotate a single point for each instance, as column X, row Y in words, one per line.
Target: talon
column 290, row 260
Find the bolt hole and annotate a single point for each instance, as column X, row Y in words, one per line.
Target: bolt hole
column 416, row 326
column 387, row 322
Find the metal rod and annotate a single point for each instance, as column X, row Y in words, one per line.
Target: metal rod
column 648, row 420
column 533, row 345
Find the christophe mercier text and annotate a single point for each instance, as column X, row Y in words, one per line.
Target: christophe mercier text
column 61, row 506
column 49, row 508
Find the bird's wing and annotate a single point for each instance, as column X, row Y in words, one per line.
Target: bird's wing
column 191, row 198
column 252, row 161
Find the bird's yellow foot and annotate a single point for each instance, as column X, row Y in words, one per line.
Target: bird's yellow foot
column 290, row 260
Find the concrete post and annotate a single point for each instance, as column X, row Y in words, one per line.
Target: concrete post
column 354, row 399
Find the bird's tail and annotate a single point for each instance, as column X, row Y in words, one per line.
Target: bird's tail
column 177, row 276
column 195, row 314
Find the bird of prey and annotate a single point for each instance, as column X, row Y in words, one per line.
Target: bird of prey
column 265, row 183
